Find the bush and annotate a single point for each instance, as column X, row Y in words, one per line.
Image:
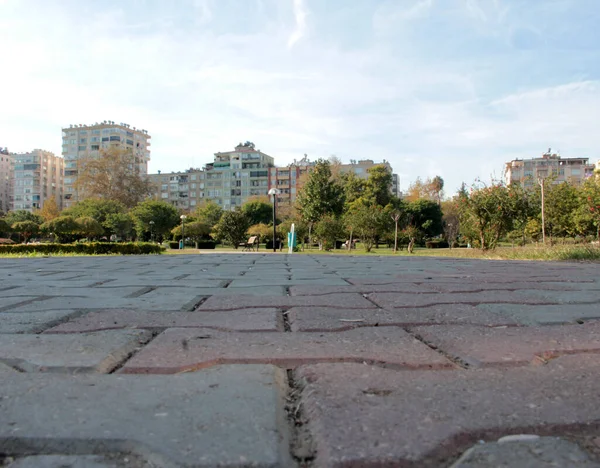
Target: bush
column 173, row 245
column 269, row 245
column 437, row 244
column 206, row 244
column 91, row 248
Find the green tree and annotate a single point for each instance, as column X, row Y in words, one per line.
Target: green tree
column 114, row 175
column 21, row 215
column 353, row 187
column 300, row 228
column 561, row 203
column 377, row 187
column 232, row 228
column 196, row 230
column 262, row 230
column 64, row 228
column 164, row 215
column 4, row 227
column 26, row 229
column 258, row 212
column 49, row 209
column 321, row 195
column 327, row 230
column 98, row 209
column 368, row 222
column 89, row 227
column 119, row 224
column 590, row 192
column 421, row 211
column 209, row 213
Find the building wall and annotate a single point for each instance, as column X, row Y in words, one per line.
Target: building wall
column 37, row 176
column 6, row 177
column 528, row 171
column 185, row 190
column 82, row 141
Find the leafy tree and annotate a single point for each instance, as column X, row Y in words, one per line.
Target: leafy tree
column 353, row 187
column 196, row 230
column 49, row 209
column 451, row 220
column 97, row 208
column 430, row 189
column 421, row 211
column 300, row 228
column 321, row 195
column 21, row 215
column 258, row 212
column 4, row 227
column 164, row 215
column 119, row 224
column 209, row 213
column 367, row 221
column 64, row 228
column 561, row 203
column 436, row 188
column 327, row 230
column 232, row 228
column 89, row 227
column 377, row 187
column 590, row 192
column 26, row 229
column 262, row 230
column 114, row 175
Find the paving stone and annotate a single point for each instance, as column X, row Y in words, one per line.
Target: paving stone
column 5, row 370
column 227, row 416
column 306, row 290
column 394, row 300
column 543, row 452
column 91, row 352
column 10, row 302
column 177, row 350
column 328, row 319
column 349, row 301
column 544, row 314
column 484, row 346
column 246, row 282
column 109, row 319
column 31, row 322
column 63, row 461
column 524, row 285
column 368, row 416
column 164, row 293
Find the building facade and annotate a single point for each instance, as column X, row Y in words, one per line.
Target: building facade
column 528, row 171
column 6, row 176
column 232, row 178
column 37, row 176
column 84, row 141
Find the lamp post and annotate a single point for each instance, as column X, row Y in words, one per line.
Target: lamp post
column 183, row 218
column 274, row 192
column 151, row 231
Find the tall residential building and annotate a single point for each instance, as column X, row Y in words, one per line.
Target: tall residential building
column 529, row 171
column 6, row 176
column 37, row 176
column 229, row 180
column 83, row 141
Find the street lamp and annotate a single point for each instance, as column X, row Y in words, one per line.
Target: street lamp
column 274, row 192
column 151, row 231
column 183, row 218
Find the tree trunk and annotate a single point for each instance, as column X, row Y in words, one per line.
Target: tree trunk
column 350, row 241
column 396, row 237
column 411, row 245
column 309, row 235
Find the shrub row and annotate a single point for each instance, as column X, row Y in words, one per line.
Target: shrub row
column 441, row 244
column 201, row 245
column 92, row 248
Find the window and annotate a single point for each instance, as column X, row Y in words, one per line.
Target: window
column 83, row 140
column 129, row 142
column 82, row 148
column 164, row 195
column 193, row 177
column 104, row 138
column 95, row 147
column 114, row 138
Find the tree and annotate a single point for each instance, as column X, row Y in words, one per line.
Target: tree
column 26, row 229
column 353, row 187
column 96, row 208
column 4, row 227
column 377, row 187
column 196, row 230
column 421, row 211
column 397, row 212
column 436, row 188
column 49, row 209
column 119, row 224
column 327, row 230
column 262, row 230
column 300, row 228
column 89, row 227
column 367, row 221
column 258, row 212
column 64, row 228
column 591, row 200
column 232, row 228
column 114, row 175
column 21, row 215
column 321, row 195
column 431, row 189
column 209, row 213
column 451, row 220
column 164, row 215
column 561, row 202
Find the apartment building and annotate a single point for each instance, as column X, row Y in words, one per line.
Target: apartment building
column 37, row 176
column 529, row 171
column 232, row 178
column 5, row 179
column 84, row 141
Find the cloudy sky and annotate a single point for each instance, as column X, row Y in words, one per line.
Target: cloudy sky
column 448, row 87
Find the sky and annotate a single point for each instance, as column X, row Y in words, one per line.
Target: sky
column 454, row 88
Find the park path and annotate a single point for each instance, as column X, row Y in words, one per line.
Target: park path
column 298, row 360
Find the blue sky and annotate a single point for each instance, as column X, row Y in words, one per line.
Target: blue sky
column 448, row 87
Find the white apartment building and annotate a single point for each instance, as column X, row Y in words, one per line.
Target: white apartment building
column 528, row 171
column 83, row 141
column 37, row 176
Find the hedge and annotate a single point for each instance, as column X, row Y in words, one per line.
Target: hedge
column 92, row 248
column 441, row 244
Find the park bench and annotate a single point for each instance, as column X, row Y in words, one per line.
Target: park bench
column 249, row 246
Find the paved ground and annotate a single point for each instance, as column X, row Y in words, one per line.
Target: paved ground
column 277, row 360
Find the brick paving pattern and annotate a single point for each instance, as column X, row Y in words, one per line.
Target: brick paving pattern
column 296, row 360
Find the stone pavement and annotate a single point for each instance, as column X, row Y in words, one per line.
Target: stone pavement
column 293, row 360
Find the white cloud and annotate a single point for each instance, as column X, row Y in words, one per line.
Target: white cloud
column 300, row 14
